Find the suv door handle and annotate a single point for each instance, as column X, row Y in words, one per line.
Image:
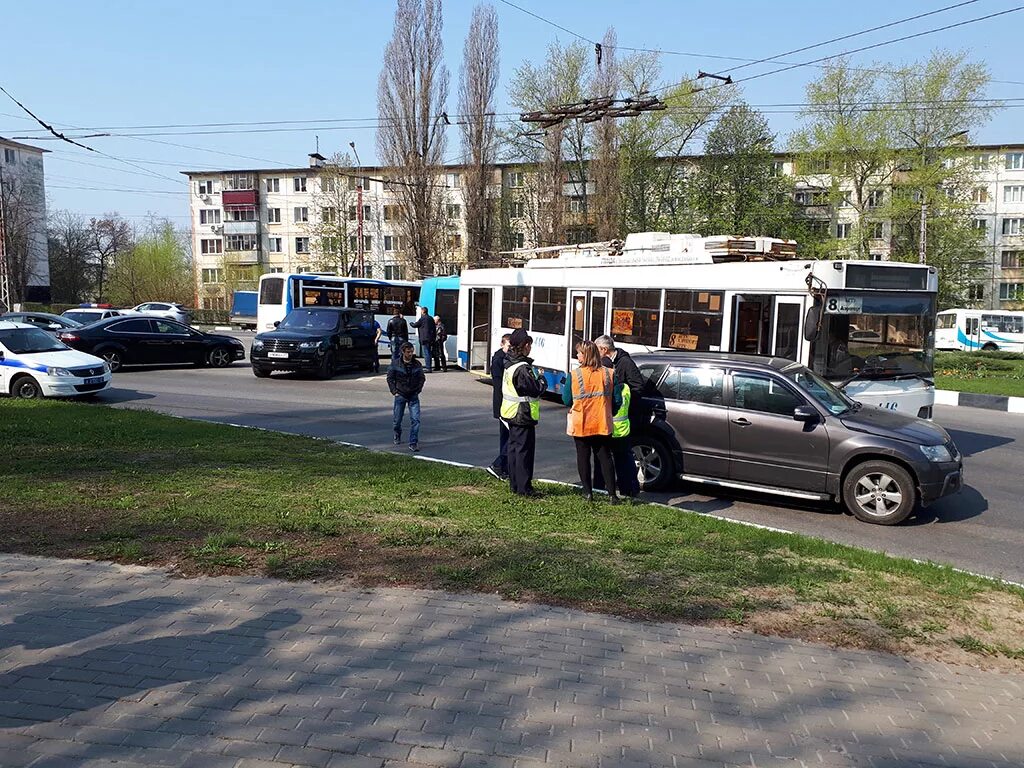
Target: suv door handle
column 741, row 421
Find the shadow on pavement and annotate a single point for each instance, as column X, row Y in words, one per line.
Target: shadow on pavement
column 973, row 443
column 952, row 509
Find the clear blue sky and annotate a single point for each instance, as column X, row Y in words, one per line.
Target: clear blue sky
column 150, row 62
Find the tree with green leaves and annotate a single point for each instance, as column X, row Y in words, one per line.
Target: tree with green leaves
column 157, row 267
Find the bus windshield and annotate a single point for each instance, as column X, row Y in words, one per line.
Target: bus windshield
column 876, row 335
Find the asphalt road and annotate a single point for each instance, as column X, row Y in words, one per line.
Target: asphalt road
column 981, row 529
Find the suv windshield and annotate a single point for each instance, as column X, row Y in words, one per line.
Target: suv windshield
column 820, row 390
column 26, row 341
column 310, row 320
column 876, row 335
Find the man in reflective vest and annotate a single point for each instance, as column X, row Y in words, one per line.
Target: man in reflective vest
column 521, row 389
column 628, row 375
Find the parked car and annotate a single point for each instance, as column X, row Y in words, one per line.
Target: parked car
column 42, row 320
column 868, row 337
column 152, row 341
column 86, row 315
column 316, row 339
column 169, row 310
column 35, row 364
column 773, row 426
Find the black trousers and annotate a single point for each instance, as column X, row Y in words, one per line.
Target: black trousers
column 601, row 447
column 440, row 360
column 500, row 462
column 522, row 447
column 625, row 468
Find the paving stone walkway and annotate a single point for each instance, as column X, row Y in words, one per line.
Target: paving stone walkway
column 108, row 665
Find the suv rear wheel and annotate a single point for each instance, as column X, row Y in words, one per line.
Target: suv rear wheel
column 654, row 463
column 880, row 492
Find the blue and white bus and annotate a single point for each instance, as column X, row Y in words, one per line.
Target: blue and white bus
column 440, row 295
column 868, row 326
column 969, row 330
column 279, row 293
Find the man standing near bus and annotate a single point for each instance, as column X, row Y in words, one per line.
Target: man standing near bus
column 499, row 467
column 427, row 333
column 521, row 388
column 627, row 374
column 398, row 332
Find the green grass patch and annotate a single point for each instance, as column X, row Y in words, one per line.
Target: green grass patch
column 90, row 481
column 987, row 373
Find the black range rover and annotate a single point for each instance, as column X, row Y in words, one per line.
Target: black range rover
column 317, row 339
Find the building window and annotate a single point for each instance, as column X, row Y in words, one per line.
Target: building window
column 242, row 214
column 211, row 246
column 818, row 227
column 876, row 230
column 876, row 257
column 811, row 197
column 1012, row 259
column 1013, row 226
column 394, row 272
column 981, row 225
column 1011, row 291
column 576, row 204
column 453, row 180
column 299, row 184
column 981, row 162
column 355, row 182
column 778, row 167
column 209, row 215
column 453, row 210
column 1014, row 161
column 519, row 239
column 392, row 213
column 329, row 215
column 517, row 210
column 843, row 230
column 10, row 156
column 274, row 244
column 515, row 307
column 273, row 215
column 238, row 181
column 273, row 185
column 300, row 214
column 240, row 243
column 353, row 243
column 635, row 315
column 514, row 179
column 455, row 243
column 329, row 184
column 394, row 242
column 976, row 292
column 302, row 245
column 875, row 198
column 1014, row 194
column 275, row 270
column 979, row 194
column 205, row 187
column 214, row 275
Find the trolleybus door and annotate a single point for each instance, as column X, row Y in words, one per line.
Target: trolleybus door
column 479, row 328
column 786, row 327
column 589, row 319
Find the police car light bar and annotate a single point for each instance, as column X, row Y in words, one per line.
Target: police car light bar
column 95, row 306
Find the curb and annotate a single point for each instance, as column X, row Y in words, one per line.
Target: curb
column 973, row 400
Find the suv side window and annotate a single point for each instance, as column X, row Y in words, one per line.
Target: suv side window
column 693, row 384
column 761, row 393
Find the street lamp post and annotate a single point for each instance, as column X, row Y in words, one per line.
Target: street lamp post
column 359, row 212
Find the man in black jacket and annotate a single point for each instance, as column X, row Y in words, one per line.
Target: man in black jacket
column 626, row 373
column 499, row 467
column 398, row 333
column 405, row 380
column 427, row 333
column 520, row 409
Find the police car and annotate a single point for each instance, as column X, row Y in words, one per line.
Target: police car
column 34, row 364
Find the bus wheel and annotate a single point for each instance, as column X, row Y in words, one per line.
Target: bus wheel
column 989, row 347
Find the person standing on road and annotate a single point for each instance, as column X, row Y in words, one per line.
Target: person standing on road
column 405, row 380
column 377, row 333
column 632, row 381
column 592, row 398
column 398, row 333
column 427, row 334
column 440, row 337
column 521, row 388
column 499, row 467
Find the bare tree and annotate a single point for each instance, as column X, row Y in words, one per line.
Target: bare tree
column 112, row 238
column 23, row 230
column 477, row 84
column 411, row 96
column 334, row 218
column 72, row 262
column 605, row 207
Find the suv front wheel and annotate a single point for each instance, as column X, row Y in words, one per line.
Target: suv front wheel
column 654, row 463
column 880, row 492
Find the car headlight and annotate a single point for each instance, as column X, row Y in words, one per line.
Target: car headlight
column 59, row 372
column 106, row 367
column 936, row 452
column 257, row 344
column 309, row 344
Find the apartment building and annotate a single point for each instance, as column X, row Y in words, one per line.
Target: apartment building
column 253, row 221
column 23, row 204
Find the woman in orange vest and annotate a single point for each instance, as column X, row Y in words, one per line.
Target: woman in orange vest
column 593, row 399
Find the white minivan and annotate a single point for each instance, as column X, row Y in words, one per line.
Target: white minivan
column 34, row 364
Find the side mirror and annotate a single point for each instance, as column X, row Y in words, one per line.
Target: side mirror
column 805, row 413
column 277, row 323
column 812, row 322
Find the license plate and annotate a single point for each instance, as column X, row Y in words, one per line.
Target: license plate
column 277, row 354
column 96, row 380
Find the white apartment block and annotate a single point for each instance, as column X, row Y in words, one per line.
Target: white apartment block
column 266, row 220
column 23, row 197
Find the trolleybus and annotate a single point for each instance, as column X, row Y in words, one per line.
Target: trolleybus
column 969, row 330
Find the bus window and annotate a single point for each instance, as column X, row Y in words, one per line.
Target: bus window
column 515, row 307
column 635, row 316
column 548, row 310
column 448, row 309
column 693, row 320
column 946, row 321
column 272, row 291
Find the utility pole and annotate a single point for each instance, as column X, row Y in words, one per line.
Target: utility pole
column 922, row 249
column 5, row 280
column 359, row 211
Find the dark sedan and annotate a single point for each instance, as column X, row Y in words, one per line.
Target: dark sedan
column 43, row 320
column 152, row 341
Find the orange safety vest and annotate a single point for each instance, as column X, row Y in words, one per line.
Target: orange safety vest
column 591, row 412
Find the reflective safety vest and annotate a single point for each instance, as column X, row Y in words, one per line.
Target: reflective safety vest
column 620, row 422
column 510, row 399
column 591, row 412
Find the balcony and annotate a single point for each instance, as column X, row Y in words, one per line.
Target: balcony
column 241, row 227
column 240, row 197
column 241, row 257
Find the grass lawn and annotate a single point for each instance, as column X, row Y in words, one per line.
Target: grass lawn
column 83, row 480
column 987, row 373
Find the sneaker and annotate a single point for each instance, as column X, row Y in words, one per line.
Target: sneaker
column 495, row 473
column 414, row 448
column 398, row 439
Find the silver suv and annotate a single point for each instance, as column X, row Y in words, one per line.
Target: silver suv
column 773, row 426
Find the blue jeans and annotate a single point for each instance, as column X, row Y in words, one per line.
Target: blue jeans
column 428, row 359
column 414, row 417
column 396, row 348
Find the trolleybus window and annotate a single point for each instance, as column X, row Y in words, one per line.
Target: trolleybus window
column 383, row 299
column 272, row 290
column 548, row 310
column 515, row 307
column 314, row 295
column 448, row 309
column 635, row 316
column 693, row 320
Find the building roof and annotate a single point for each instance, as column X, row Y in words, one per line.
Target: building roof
column 19, row 145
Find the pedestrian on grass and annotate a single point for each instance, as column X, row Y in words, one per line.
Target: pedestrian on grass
column 440, row 337
column 521, row 388
column 398, row 333
column 426, row 331
column 405, row 380
column 628, row 376
column 499, row 467
column 593, row 400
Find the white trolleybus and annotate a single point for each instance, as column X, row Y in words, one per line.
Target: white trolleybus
column 969, row 330
column 867, row 326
